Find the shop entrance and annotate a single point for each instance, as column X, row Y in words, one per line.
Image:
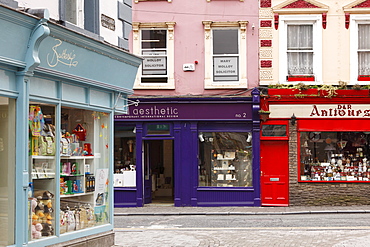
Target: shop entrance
column 274, row 165
column 158, row 171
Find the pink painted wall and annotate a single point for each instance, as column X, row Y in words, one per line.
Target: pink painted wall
column 189, row 38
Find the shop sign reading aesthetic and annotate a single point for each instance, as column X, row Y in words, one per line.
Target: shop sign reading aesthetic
column 177, row 111
column 321, row 111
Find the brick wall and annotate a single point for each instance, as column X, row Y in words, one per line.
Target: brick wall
column 326, row 193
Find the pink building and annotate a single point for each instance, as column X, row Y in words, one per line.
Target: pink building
column 195, row 35
column 193, row 137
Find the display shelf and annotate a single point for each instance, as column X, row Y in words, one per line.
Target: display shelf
column 77, row 194
column 42, row 157
column 224, row 169
column 42, row 168
column 76, row 178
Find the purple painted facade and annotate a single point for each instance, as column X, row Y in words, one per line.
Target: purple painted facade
column 165, row 111
column 193, row 98
column 215, row 114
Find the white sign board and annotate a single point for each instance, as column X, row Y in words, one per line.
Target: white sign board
column 320, row 111
column 225, row 66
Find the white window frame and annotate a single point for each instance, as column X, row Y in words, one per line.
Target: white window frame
column 354, row 22
column 316, row 21
column 169, row 26
column 209, row 82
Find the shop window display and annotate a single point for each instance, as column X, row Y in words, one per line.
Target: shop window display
column 334, row 156
column 42, row 151
column 125, row 157
column 225, row 159
column 83, row 165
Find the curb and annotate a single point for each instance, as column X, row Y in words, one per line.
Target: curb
column 242, row 213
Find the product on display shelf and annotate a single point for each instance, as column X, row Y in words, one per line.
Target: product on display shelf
column 42, row 212
column 82, row 216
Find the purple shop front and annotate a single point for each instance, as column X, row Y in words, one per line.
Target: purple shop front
column 188, row 152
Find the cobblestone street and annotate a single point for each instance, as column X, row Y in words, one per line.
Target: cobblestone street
column 242, row 226
column 242, row 238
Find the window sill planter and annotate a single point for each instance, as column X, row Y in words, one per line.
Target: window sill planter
column 300, row 78
column 264, row 115
column 314, row 92
column 363, row 78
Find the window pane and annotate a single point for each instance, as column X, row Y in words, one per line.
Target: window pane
column 300, row 63
column 300, row 49
column 364, row 63
column 225, row 41
column 363, row 36
column 273, row 130
column 152, row 39
column 125, row 156
column 225, row 159
column 335, row 156
column 363, row 49
column 300, row 37
column 42, row 166
column 7, row 175
column 85, row 155
column 71, row 11
column 154, row 66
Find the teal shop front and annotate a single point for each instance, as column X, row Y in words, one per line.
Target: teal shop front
column 59, row 91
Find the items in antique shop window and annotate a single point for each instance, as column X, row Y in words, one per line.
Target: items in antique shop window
column 335, row 156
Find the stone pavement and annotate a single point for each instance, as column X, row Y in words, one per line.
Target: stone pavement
column 167, row 209
column 252, row 237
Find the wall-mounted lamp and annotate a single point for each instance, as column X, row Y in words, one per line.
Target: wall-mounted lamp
column 249, row 138
column 201, row 137
column 293, row 119
column 253, row 29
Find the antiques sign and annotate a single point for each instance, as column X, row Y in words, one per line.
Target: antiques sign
column 321, row 111
column 108, row 22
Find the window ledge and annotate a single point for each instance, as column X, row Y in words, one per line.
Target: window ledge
column 213, row 0
column 363, row 78
column 137, row 1
column 300, row 78
column 208, row 84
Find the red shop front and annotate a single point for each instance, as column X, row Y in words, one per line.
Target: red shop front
column 323, row 157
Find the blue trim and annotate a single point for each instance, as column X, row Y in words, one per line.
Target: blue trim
column 21, row 164
column 251, row 189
